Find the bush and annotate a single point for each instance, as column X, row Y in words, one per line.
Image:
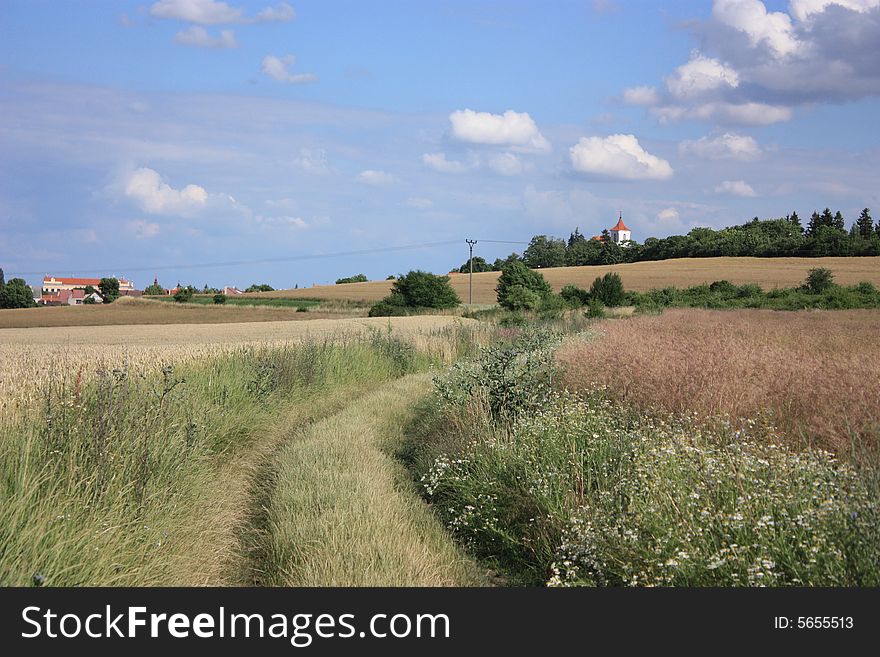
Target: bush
column 516, row 274
column 608, row 289
column 357, row 278
column 219, row 298
column 723, row 288
column 420, row 289
column 184, row 294
column 575, row 296
column 388, row 308
column 819, row 280
column 552, row 307
column 595, row 309
column 257, row 287
column 521, row 298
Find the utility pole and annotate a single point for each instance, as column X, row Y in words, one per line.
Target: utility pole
column 471, row 277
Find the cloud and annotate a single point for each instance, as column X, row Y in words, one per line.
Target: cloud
column 699, row 76
column 277, row 68
column 804, row 9
column 618, row 156
column 145, row 186
column 506, row 164
column 143, row 229
column 438, row 162
column 751, row 17
column 211, row 12
column 418, row 202
column 736, row 188
column 371, row 177
column 198, row 36
column 643, row 95
column 668, row 215
column 313, row 161
column 511, row 129
column 725, row 113
column 728, row 146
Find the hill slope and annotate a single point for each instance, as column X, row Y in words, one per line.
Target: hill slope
column 640, row 276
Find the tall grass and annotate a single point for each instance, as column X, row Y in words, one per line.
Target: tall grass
column 577, row 490
column 112, row 479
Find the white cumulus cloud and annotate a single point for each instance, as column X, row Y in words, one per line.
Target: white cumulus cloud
column 371, row 177
column 278, row 68
column 199, row 37
column 751, row 17
column 507, row 164
column 803, row 9
column 668, row 215
column 728, row 146
column 438, row 162
column 735, row 188
column 511, row 129
column 701, row 75
column 212, row 12
column 146, row 187
column 618, row 156
column 643, row 95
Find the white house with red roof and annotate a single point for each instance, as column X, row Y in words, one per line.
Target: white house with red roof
column 53, row 285
column 620, row 234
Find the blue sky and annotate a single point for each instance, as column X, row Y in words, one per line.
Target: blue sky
column 140, row 138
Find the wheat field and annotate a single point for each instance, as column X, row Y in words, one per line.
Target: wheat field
column 638, row 276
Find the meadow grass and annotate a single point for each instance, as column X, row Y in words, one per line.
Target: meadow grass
column 208, row 300
column 551, row 487
column 343, row 511
column 137, row 471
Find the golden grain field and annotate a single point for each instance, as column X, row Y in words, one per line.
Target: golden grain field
column 639, row 276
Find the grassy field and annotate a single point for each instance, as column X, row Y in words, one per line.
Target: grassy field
column 641, row 276
column 137, row 464
column 208, row 300
column 814, row 375
column 125, row 312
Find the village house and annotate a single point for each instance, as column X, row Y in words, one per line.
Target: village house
column 231, row 291
column 71, row 291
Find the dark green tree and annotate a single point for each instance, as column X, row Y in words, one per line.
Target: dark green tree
column 16, row 294
column 109, row 288
column 865, row 224
column 501, row 263
column 357, row 278
column 608, row 289
column 154, row 288
column 819, row 279
column 838, row 221
column 220, row 298
column 480, row 264
column 576, row 237
column 517, row 274
column 544, row 252
column 2, row 278
column 421, row 289
column 795, row 219
column 184, row 294
column 258, row 287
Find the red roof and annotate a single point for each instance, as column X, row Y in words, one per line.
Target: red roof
column 620, row 225
column 75, row 281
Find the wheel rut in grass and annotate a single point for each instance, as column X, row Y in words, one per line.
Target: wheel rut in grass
column 337, row 509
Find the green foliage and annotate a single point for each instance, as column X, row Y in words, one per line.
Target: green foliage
column 552, row 307
column 260, row 287
column 219, row 298
column 357, row 278
column 89, row 301
column 516, row 274
column 521, row 298
column 544, row 252
column 184, row 294
column 420, row 289
column 154, row 289
column 16, row 294
column 819, row 280
column 109, row 288
column 575, row 296
column 480, row 264
column 608, row 289
column 595, row 309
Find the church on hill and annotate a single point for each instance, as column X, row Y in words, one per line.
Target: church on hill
column 620, row 234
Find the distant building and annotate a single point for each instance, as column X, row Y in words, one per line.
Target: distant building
column 231, row 291
column 52, row 285
column 74, row 297
column 620, row 234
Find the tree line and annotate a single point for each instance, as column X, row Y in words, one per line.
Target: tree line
column 825, row 234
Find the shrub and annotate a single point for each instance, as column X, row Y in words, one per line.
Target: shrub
column 420, row 289
column 257, row 287
column 16, row 294
column 388, row 308
column 552, row 307
column 723, row 288
column 608, row 289
column 357, row 278
column 595, row 309
column 521, row 298
column 575, row 296
column 184, row 294
column 219, row 298
column 819, row 280
column 516, row 274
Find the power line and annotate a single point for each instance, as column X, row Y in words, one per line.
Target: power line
column 257, row 261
